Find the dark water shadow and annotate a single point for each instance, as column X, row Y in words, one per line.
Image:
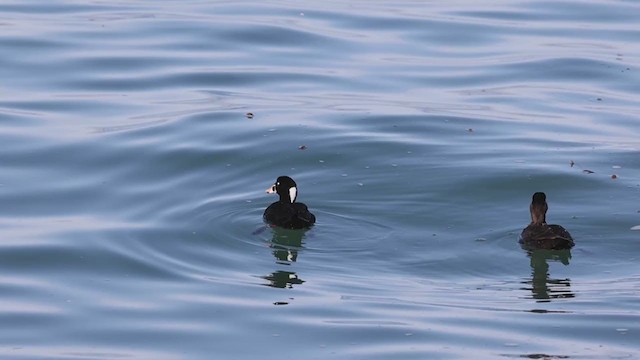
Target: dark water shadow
column 285, row 245
column 537, row 356
column 543, row 287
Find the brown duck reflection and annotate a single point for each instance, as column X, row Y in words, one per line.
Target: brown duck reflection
column 285, row 245
column 543, row 287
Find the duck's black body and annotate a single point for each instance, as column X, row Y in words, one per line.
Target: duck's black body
column 289, row 216
column 286, row 212
column 540, row 235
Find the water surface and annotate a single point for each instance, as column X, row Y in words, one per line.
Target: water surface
column 132, row 182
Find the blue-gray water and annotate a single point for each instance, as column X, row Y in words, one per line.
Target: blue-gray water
column 132, row 182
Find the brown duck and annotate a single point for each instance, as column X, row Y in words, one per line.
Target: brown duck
column 540, row 235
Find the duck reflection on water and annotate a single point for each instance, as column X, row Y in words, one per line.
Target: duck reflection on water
column 543, row 287
column 285, row 245
column 283, row 279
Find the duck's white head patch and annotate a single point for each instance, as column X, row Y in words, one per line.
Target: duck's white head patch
column 293, row 192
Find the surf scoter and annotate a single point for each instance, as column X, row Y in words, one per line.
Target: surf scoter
column 286, row 212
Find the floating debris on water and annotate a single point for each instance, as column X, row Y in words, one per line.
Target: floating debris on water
column 587, row 171
column 249, row 115
column 572, row 163
column 614, row 176
column 302, row 147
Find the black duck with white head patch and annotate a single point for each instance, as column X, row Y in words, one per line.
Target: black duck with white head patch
column 286, row 212
column 540, row 235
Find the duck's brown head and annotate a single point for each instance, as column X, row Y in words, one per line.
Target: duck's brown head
column 538, row 208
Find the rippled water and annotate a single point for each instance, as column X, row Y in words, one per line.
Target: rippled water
column 132, row 181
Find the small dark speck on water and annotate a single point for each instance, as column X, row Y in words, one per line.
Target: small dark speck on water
column 587, row 171
column 572, row 163
column 249, row 115
column 614, row 176
column 599, row 99
column 280, row 303
column 302, row 147
column 470, row 130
